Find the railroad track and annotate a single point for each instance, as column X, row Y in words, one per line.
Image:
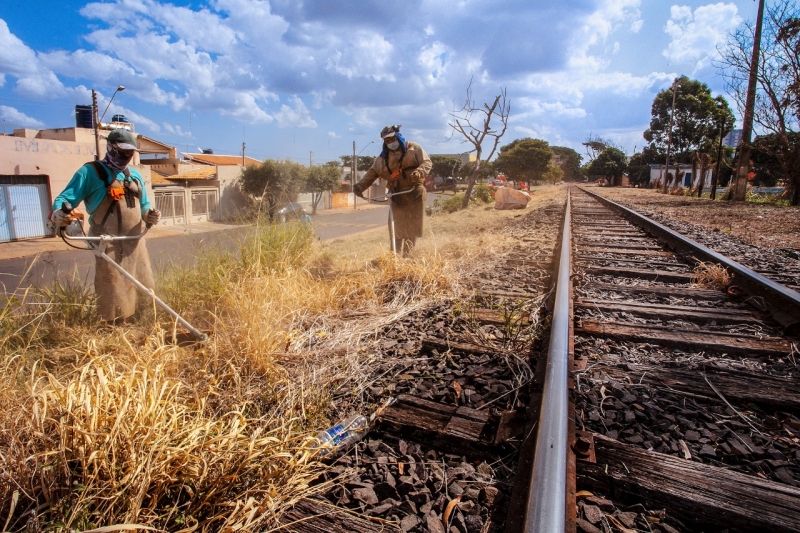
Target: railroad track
column 684, row 407
column 656, row 405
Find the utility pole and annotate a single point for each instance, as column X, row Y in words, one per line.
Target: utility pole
column 669, row 132
column 310, row 158
column 95, row 122
column 354, row 176
column 739, row 190
column 719, row 159
column 243, row 147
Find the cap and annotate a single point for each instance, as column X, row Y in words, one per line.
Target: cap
column 390, row 131
column 123, row 139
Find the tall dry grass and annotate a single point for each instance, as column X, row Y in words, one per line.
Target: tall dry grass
column 118, row 426
column 105, row 426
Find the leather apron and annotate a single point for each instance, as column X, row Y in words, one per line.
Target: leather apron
column 116, row 296
column 407, row 211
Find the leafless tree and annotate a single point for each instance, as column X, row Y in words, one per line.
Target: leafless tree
column 595, row 145
column 476, row 124
column 776, row 108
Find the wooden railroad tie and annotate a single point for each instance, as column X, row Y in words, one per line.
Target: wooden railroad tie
column 659, row 290
column 669, row 312
column 708, row 497
column 638, row 273
column 732, row 384
column 445, row 426
column 688, row 339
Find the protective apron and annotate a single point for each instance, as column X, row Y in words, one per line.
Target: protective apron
column 116, row 296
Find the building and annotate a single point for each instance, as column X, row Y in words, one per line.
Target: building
column 35, row 165
column 733, row 139
column 685, row 178
column 198, row 187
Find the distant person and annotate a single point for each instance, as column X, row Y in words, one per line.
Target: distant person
column 116, row 199
column 405, row 166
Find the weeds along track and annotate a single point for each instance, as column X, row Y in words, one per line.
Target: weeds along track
column 442, row 457
column 686, row 397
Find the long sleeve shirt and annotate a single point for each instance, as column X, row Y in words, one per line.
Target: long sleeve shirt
column 87, row 187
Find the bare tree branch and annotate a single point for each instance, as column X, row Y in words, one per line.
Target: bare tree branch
column 462, row 122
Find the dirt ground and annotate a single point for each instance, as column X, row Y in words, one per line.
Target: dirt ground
column 763, row 226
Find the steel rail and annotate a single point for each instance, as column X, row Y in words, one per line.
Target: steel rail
column 545, row 511
column 785, row 308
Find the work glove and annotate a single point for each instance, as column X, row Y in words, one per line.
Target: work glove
column 152, row 217
column 60, row 219
column 358, row 190
column 417, row 178
column 418, row 191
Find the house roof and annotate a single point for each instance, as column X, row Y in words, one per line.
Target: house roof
column 155, row 145
column 222, row 160
column 158, row 179
column 206, row 173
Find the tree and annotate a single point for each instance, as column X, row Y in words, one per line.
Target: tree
column 611, row 163
column 553, row 173
column 639, row 165
column 445, row 165
column 777, row 100
column 273, row 183
column 524, row 159
column 320, row 179
column 771, row 157
column 594, row 146
column 570, row 162
column 492, row 125
column 693, row 121
column 364, row 161
column 725, row 123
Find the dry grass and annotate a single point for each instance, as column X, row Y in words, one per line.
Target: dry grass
column 711, row 276
column 115, row 426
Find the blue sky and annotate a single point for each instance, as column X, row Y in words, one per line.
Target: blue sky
column 303, row 79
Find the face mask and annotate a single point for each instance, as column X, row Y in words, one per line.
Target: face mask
column 117, row 158
column 394, row 145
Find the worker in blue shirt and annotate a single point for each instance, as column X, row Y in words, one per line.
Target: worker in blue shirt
column 116, row 199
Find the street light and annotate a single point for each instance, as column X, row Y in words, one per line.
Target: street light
column 355, row 168
column 96, row 120
column 119, row 89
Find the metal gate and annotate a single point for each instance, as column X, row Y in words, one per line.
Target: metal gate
column 24, row 207
column 172, row 206
column 204, row 204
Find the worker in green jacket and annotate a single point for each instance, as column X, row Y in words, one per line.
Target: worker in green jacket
column 116, row 199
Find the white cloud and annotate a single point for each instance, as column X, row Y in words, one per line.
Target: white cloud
column 295, row 116
column 12, row 118
column 434, row 59
column 695, row 35
column 333, row 135
column 367, row 56
column 596, row 29
column 177, row 130
column 16, row 59
column 527, row 108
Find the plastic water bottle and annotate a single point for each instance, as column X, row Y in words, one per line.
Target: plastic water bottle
column 343, row 434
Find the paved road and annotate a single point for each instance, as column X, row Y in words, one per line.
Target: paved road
column 65, row 264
